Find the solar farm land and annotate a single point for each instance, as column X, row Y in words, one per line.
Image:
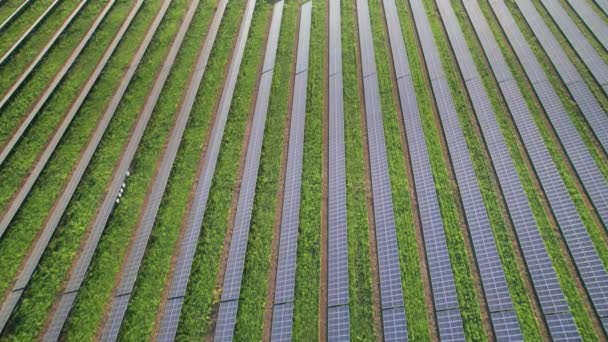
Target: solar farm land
column 310, row 170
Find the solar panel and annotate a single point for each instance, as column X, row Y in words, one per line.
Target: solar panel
column 588, row 104
column 575, row 37
column 445, row 298
column 78, row 273
column 449, row 323
column 573, row 230
column 233, row 276
column 181, row 274
column 338, row 325
column 337, row 238
column 282, row 314
column 506, row 327
column 282, row 319
column 391, row 292
column 563, row 326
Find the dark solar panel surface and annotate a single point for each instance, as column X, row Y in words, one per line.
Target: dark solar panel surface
column 488, row 260
column 27, row 33
column 573, row 230
column 586, row 168
column 593, row 21
column 288, row 242
column 240, row 234
column 391, row 292
column 188, row 244
column 338, row 326
column 337, row 240
column 282, row 321
column 590, row 107
column 78, row 273
column 575, row 37
column 442, row 278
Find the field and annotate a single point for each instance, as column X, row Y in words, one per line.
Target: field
column 179, row 170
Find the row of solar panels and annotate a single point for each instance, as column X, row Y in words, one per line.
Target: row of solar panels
column 285, row 284
column 338, row 318
column 505, row 324
column 233, row 275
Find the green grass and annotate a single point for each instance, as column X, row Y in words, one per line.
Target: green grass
column 446, row 187
column 202, row 296
column 25, row 20
column 153, row 275
column 539, row 205
column 413, row 287
column 306, row 300
column 54, row 265
column 31, row 47
column 25, row 225
column 360, row 273
column 576, row 116
column 26, row 151
column 254, row 290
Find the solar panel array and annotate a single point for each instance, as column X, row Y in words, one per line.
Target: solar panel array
column 579, row 244
column 603, row 4
column 181, row 274
column 26, row 73
column 79, row 270
column 46, row 155
column 578, row 154
column 590, row 107
column 17, row 44
column 596, row 25
column 48, row 92
column 448, row 316
column 290, row 219
column 391, row 291
column 240, row 234
column 146, row 224
column 338, row 321
column 496, row 291
column 575, row 37
column 545, row 281
column 31, row 263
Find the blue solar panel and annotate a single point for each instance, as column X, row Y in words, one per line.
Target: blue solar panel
column 590, row 107
column 233, row 276
column 445, row 298
column 575, row 37
column 188, row 244
column 593, row 21
column 391, row 292
column 337, row 239
column 282, row 314
column 573, row 230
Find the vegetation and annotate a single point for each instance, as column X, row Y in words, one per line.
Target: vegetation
column 306, row 302
column 359, row 265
